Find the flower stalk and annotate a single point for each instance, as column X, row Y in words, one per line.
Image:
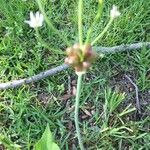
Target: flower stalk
column 114, row 13
column 103, row 32
column 96, row 19
column 40, row 39
column 50, row 24
column 45, row 44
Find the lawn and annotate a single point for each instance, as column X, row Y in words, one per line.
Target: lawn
column 26, row 110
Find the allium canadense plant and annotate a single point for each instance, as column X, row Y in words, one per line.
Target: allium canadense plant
column 80, row 56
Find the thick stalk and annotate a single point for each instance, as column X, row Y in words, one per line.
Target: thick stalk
column 79, row 83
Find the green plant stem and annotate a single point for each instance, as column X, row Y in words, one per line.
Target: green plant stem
column 80, row 8
column 97, row 17
column 40, row 39
column 79, row 83
column 44, row 44
column 104, row 31
column 50, row 24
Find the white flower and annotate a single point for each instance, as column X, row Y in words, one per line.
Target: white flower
column 35, row 20
column 114, row 13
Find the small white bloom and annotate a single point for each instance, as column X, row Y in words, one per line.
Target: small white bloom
column 35, row 20
column 114, row 13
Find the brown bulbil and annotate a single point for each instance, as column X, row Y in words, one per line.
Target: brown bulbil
column 80, row 57
column 86, row 64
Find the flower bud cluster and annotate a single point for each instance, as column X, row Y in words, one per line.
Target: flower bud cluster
column 80, row 57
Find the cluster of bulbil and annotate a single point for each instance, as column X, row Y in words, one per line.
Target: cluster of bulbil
column 80, row 57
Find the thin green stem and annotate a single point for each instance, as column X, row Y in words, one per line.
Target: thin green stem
column 104, row 31
column 80, row 9
column 44, row 44
column 79, row 83
column 97, row 17
column 50, row 24
column 40, row 39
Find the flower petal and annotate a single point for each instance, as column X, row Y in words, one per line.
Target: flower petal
column 31, row 16
column 41, row 19
column 37, row 15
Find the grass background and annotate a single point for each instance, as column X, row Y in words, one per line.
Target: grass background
column 25, row 111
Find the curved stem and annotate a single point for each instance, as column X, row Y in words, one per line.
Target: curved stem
column 80, row 8
column 104, row 31
column 44, row 44
column 50, row 24
column 40, row 39
column 97, row 17
column 79, row 83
